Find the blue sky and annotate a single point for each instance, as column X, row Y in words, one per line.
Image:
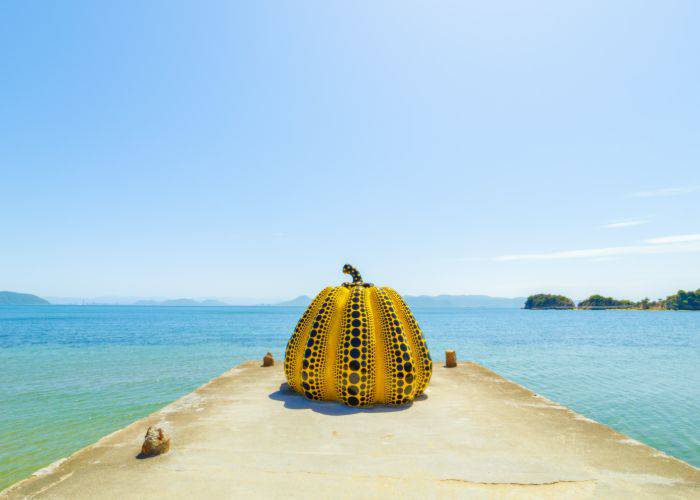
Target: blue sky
column 249, row 149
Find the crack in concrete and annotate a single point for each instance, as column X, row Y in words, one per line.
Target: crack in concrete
column 543, row 483
column 443, row 480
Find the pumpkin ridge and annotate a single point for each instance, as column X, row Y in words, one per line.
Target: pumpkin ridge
column 380, row 368
column 295, row 346
column 330, row 386
column 405, row 382
column 354, row 370
column 314, row 383
column 370, row 369
column 394, row 348
column 423, row 364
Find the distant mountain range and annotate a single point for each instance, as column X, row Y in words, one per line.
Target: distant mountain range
column 301, row 301
column 463, row 301
column 13, row 298
column 435, row 301
column 21, row 299
column 180, row 302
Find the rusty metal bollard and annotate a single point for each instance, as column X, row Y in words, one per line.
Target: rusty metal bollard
column 450, row 359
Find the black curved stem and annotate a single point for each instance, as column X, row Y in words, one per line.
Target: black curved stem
column 356, row 276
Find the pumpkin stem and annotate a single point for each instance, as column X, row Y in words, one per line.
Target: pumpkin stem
column 356, row 276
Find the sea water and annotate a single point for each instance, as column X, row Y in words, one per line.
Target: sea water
column 71, row 374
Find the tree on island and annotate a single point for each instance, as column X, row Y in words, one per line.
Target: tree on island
column 686, row 301
column 600, row 302
column 548, row 301
column 681, row 301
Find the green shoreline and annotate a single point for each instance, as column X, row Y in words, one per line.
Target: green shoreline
column 680, row 301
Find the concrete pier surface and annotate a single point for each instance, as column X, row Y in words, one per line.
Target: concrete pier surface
column 474, row 434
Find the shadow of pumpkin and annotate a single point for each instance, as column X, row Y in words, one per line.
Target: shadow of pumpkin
column 295, row 401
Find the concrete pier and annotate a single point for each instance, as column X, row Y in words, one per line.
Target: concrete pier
column 475, row 434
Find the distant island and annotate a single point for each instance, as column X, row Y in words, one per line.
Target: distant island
column 21, row 299
column 681, row 301
column 549, row 301
column 600, row 302
column 434, row 301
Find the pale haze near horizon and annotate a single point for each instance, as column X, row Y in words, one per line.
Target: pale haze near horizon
column 177, row 149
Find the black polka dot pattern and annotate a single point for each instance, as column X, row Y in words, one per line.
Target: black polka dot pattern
column 333, row 352
column 355, row 367
column 397, row 354
column 314, row 357
column 422, row 364
column 291, row 354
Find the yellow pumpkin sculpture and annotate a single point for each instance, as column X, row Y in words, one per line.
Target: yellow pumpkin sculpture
column 358, row 344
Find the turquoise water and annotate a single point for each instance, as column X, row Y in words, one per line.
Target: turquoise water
column 69, row 375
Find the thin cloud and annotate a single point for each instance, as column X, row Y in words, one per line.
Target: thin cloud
column 671, row 244
column 683, row 238
column 627, row 223
column 675, row 191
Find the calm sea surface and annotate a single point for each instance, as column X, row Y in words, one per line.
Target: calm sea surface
column 69, row 375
